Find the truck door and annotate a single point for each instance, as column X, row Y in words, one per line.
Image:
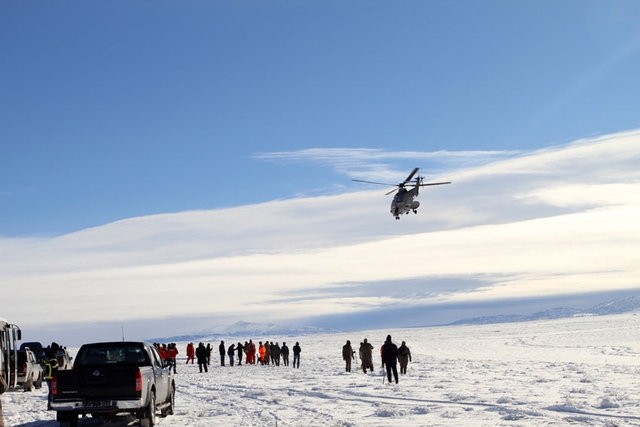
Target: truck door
column 161, row 374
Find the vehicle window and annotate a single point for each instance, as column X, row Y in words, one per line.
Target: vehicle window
column 156, row 357
column 113, row 355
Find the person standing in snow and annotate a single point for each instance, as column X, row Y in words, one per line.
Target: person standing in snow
column 223, row 353
column 296, row 355
column 285, row 354
column 267, row 352
column 240, row 350
column 209, row 348
column 172, row 355
column 347, row 355
column 261, row 352
column 231, row 352
column 50, row 368
column 366, row 354
column 404, row 357
column 275, row 354
column 390, row 358
column 191, row 352
column 201, row 355
column 251, row 353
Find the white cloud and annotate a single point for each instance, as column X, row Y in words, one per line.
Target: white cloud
column 554, row 222
column 378, row 164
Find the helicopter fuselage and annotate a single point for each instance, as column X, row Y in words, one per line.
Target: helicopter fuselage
column 403, row 202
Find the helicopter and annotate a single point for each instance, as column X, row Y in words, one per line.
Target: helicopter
column 403, row 202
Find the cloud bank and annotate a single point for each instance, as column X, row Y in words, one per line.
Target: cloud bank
column 551, row 223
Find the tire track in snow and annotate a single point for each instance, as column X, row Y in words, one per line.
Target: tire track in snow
column 235, row 396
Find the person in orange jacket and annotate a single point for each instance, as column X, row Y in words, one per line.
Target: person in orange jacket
column 263, row 352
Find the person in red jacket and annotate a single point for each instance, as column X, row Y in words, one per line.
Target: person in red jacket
column 191, row 353
column 162, row 350
column 251, row 353
column 172, row 355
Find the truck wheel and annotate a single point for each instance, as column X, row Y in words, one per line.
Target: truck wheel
column 38, row 383
column 148, row 418
column 28, row 385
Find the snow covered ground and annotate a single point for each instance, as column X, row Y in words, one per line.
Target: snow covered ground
column 576, row 371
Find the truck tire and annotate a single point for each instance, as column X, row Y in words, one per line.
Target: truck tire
column 148, row 418
column 38, row 383
column 28, row 385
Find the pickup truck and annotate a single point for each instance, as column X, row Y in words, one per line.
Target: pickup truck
column 30, row 372
column 111, row 378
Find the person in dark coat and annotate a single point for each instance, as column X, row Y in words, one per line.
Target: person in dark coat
column 390, row 358
column 366, row 354
column 275, row 353
column 51, row 366
column 223, row 353
column 285, row 354
column 404, row 357
column 231, row 351
column 240, row 350
column 267, row 352
column 347, row 355
column 296, row 355
column 201, row 356
column 209, row 348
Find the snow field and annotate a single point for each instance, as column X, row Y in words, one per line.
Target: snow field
column 577, row 371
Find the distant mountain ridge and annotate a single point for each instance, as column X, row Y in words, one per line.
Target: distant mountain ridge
column 243, row 330
column 618, row 306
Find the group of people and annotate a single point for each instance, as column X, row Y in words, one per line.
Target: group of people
column 169, row 354
column 264, row 354
column 270, row 353
column 390, row 354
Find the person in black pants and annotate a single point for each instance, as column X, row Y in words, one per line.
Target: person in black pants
column 390, row 358
column 201, row 355
column 296, row 355
column 222, row 352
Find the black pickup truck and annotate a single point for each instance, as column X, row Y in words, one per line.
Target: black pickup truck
column 112, row 378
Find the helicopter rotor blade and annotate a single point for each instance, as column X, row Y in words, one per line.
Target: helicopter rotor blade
column 373, row 182
column 413, row 172
column 391, row 192
column 434, row 183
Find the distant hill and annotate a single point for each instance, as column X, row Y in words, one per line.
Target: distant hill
column 243, row 330
column 623, row 305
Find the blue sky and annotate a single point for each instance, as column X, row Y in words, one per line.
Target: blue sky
column 114, row 110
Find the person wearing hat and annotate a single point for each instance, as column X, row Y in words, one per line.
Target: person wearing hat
column 390, row 358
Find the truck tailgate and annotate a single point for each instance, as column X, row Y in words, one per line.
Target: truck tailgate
column 98, row 382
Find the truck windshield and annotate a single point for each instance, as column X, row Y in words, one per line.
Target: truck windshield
column 113, row 355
